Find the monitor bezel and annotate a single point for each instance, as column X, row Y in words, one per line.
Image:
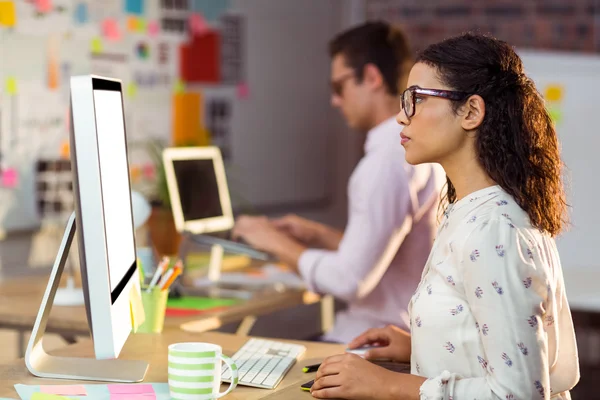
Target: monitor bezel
column 199, row 226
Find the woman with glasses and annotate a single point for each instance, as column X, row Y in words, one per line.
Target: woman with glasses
column 490, row 318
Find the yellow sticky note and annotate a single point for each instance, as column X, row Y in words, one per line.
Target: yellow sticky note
column 8, row 16
column 65, row 150
column 96, row 45
column 135, row 172
column 11, row 86
column 132, row 24
column 136, row 308
column 47, row 396
column 179, row 86
column 131, row 89
column 553, row 93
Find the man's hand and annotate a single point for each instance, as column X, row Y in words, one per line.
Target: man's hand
column 351, row 377
column 395, row 343
column 309, row 233
column 261, row 234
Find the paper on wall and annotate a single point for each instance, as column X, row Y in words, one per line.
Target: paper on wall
column 40, row 130
column 32, row 22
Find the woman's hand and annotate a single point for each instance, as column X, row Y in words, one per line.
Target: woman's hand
column 351, row 377
column 394, row 341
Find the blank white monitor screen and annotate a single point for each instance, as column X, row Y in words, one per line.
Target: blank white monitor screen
column 198, row 189
column 114, row 178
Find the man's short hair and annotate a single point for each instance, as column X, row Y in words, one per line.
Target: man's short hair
column 377, row 43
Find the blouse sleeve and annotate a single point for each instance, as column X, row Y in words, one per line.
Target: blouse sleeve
column 506, row 287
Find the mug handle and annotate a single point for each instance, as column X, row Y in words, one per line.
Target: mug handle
column 234, row 375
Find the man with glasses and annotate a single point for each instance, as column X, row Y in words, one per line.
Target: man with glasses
column 376, row 263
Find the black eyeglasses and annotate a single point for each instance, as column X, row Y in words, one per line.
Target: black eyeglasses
column 408, row 99
column 337, row 86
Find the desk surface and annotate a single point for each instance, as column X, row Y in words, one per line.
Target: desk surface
column 20, row 300
column 153, row 349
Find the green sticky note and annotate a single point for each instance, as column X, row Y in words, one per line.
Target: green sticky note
column 555, row 115
column 131, row 89
column 11, row 86
column 179, row 86
column 141, row 25
column 46, row 396
column 96, row 45
column 200, row 303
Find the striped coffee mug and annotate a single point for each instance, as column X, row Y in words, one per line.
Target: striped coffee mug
column 195, row 371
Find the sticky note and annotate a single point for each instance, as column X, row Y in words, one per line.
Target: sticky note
column 132, row 24
column 8, row 15
column 242, row 91
column 43, row 6
column 110, row 29
column 134, row 7
column 141, row 26
column 148, row 171
column 131, row 388
column 136, row 308
column 131, row 89
column 197, row 24
column 10, row 178
column 187, row 118
column 11, row 86
column 553, row 93
column 65, row 150
column 153, row 28
column 96, row 45
column 211, row 9
column 179, row 86
column 53, row 69
column 135, row 172
column 64, row 390
column 47, row 396
column 555, row 115
column 80, row 14
column 130, row 396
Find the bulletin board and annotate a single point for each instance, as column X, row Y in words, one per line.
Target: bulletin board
column 194, row 72
column 570, row 86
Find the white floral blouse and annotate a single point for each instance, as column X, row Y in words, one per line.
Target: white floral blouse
column 490, row 318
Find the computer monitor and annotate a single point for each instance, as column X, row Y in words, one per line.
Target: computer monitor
column 103, row 221
column 198, row 189
column 103, row 210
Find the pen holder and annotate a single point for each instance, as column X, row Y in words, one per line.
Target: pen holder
column 155, row 306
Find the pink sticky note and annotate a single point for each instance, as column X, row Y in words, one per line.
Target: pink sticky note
column 64, row 390
column 130, row 389
column 153, row 28
column 10, row 178
column 134, row 396
column 43, row 6
column 242, row 91
column 149, row 171
column 110, row 29
column 197, row 24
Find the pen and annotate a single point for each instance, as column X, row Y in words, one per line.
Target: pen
column 165, row 278
column 140, row 268
column 159, row 270
column 311, row 368
column 175, row 273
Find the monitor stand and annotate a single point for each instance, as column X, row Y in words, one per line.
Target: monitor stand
column 41, row 364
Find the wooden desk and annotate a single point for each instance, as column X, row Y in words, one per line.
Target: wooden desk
column 153, row 348
column 20, row 300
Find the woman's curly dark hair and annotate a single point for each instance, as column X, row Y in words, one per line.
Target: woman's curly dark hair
column 516, row 142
